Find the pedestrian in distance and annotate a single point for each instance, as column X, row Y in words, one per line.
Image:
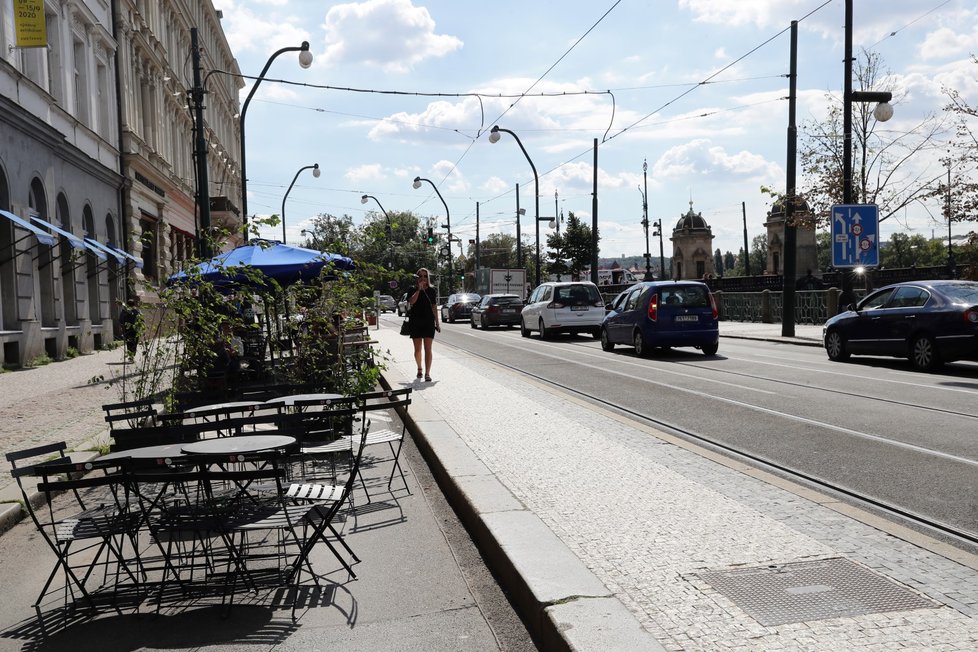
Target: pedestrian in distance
column 423, row 319
column 131, row 322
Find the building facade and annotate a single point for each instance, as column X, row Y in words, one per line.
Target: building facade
column 159, row 203
column 97, row 177
column 692, row 247
column 806, row 258
column 59, row 184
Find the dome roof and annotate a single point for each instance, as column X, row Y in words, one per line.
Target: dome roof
column 800, row 206
column 691, row 220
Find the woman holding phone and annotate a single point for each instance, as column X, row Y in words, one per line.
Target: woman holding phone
column 423, row 322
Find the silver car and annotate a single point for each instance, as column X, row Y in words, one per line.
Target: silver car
column 568, row 307
column 387, row 302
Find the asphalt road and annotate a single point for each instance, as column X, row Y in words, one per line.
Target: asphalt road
column 874, row 426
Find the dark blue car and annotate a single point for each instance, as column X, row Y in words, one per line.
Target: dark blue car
column 662, row 314
column 929, row 322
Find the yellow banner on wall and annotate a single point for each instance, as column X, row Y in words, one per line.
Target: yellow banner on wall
column 29, row 21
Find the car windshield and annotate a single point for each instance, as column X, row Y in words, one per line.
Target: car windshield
column 466, row 298
column 577, row 295
column 688, row 296
column 505, row 301
column 966, row 293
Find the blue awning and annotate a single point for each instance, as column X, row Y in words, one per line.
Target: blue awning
column 126, row 254
column 73, row 240
column 42, row 236
column 112, row 252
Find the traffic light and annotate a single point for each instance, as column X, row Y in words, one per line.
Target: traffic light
column 431, row 236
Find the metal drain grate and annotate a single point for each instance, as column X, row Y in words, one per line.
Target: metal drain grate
column 812, row 590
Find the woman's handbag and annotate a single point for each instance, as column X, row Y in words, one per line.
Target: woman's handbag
column 405, row 326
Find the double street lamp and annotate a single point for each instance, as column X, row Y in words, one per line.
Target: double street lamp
column 494, row 138
column 315, row 172
column 645, row 221
column 447, row 225
column 390, row 228
column 305, row 60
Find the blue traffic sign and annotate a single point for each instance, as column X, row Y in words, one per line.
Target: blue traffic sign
column 855, row 235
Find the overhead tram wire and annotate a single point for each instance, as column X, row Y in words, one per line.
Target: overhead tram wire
column 915, row 20
column 718, row 72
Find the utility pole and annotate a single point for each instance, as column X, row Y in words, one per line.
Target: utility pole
column 594, row 219
column 478, row 260
column 743, row 209
column 790, row 241
column 204, row 236
column 645, row 222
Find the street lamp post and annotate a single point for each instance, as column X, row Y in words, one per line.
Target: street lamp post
column 315, row 172
column 662, row 258
column 390, row 229
column 494, row 138
column 447, row 225
column 645, row 222
column 882, row 112
column 305, row 60
column 519, row 245
column 951, row 266
column 555, row 223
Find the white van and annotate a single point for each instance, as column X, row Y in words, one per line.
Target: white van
column 616, row 277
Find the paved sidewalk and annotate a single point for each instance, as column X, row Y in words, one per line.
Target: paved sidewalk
column 543, row 479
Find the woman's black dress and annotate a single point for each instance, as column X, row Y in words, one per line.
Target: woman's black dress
column 421, row 321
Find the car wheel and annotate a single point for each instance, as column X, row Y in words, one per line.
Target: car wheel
column 606, row 344
column 711, row 349
column 544, row 333
column 483, row 324
column 524, row 331
column 471, row 323
column 835, row 346
column 639, row 343
column 923, row 353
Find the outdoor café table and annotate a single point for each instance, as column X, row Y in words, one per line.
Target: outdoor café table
column 145, row 453
column 292, row 400
column 236, row 445
column 223, row 407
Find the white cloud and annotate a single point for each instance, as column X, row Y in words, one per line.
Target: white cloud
column 362, row 173
column 259, row 32
column 391, row 34
column 700, row 158
column 945, row 43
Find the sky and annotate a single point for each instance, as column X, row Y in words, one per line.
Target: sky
column 416, row 86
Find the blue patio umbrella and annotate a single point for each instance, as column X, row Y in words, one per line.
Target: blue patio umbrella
column 283, row 263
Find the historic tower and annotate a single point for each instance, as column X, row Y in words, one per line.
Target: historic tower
column 692, row 247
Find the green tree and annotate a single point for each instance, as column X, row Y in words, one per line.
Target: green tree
column 904, row 250
column 729, row 261
column 886, row 168
column 577, row 245
column 718, row 262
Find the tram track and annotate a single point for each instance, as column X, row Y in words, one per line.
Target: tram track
column 962, row 538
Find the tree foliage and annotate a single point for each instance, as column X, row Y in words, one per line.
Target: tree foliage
column 888, row 169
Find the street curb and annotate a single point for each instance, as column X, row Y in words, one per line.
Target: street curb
column 563, row 604
column 776, row 340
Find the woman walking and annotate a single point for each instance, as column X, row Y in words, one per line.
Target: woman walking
column 423, row 308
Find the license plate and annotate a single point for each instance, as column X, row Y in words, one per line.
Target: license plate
column 579, row 308
column 687, row 318
column 509, row 310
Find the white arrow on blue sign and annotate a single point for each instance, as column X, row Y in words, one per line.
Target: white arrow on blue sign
column 855, row 235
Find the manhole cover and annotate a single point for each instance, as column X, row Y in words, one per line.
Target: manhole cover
column 812, row 590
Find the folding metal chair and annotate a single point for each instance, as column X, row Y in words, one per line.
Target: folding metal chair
column 104, row 529
column 326, row 500
column 385, row 432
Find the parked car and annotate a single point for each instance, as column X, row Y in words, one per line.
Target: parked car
column 402, row 305
column 497, row 310
column 662, row 314
column 458, row 306
column 929, row 322
column 568, row 307
column 387, row 302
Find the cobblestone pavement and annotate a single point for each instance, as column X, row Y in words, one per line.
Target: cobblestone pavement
column 647, row 516
column 57, row 402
